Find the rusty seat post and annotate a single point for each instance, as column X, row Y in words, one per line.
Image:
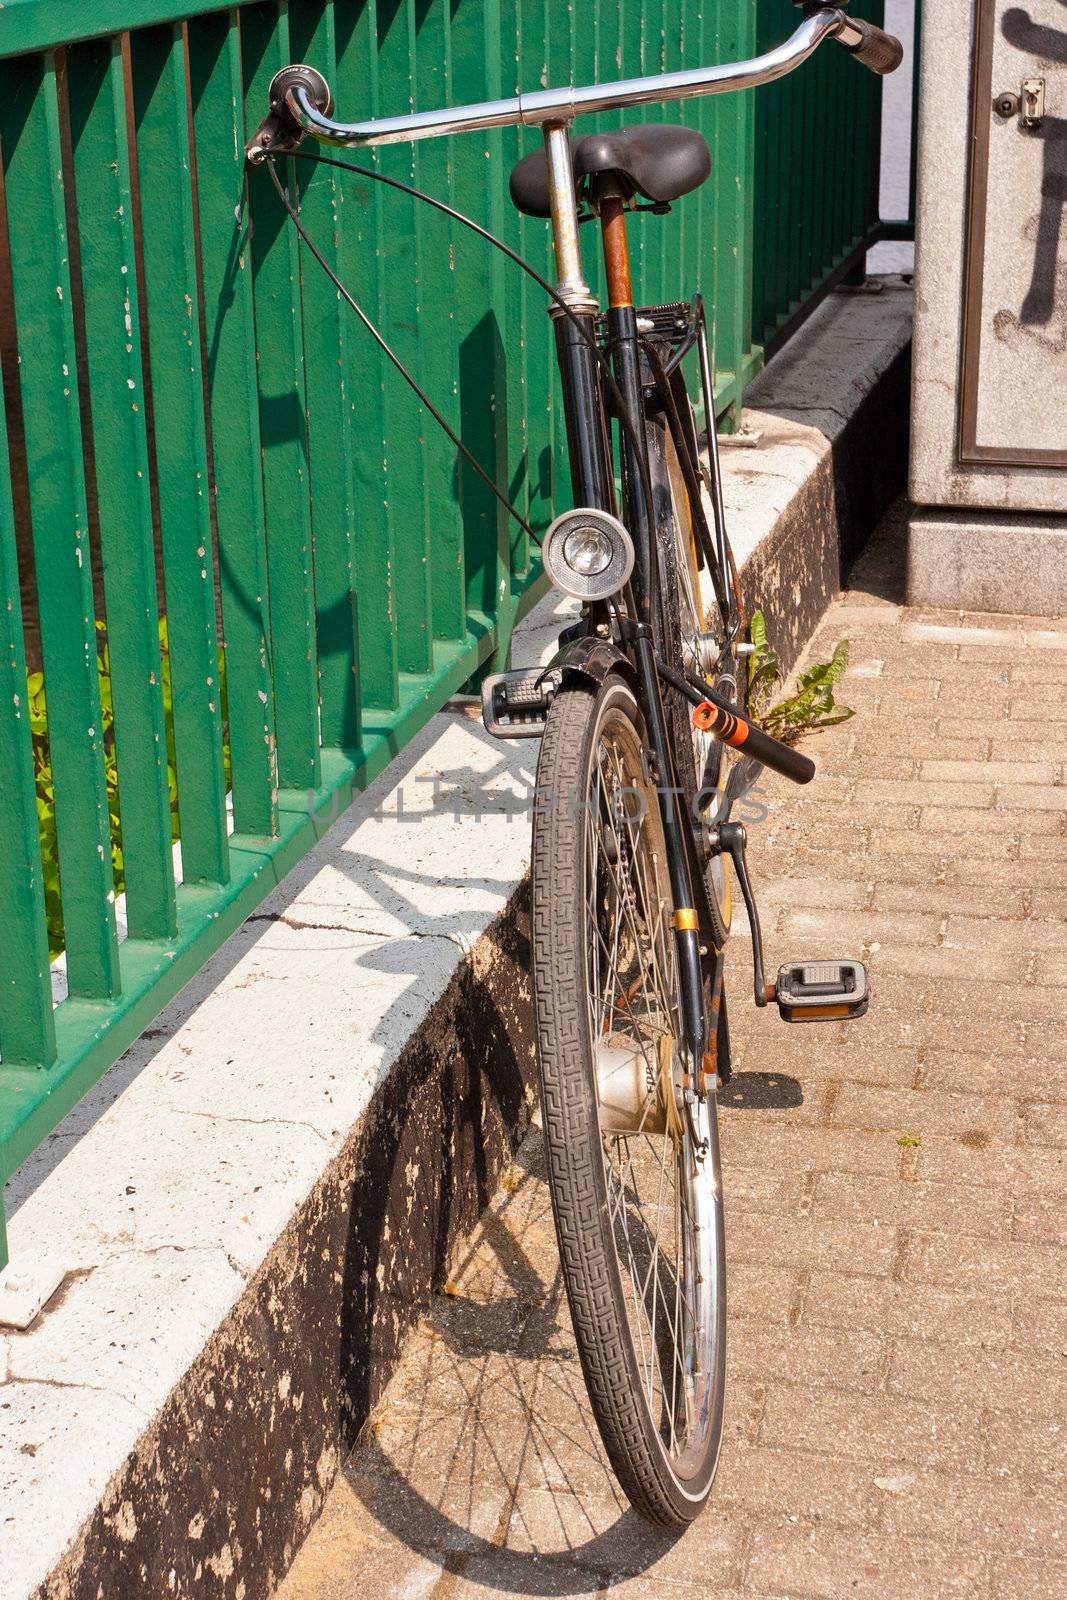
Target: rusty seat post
column 616, row 247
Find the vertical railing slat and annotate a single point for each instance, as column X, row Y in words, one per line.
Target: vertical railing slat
column 27, row 1029
column 283, row 425
column 373, row 556
column 229, row 322
column 412, row 275
column 458, row 250
column 108, row 252
column 334, row 411
column 37, row 228
column 161, row 116
column 482, row 380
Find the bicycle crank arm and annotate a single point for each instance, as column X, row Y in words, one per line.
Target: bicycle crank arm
column 804, row 991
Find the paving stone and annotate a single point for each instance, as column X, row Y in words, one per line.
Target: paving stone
column 762, row 1293
column 942, row 770
column 1049, row 967
column 910, row 1310
column 1026, row 1445
column 808, row 1149
column 863, row 926
column 973, row 1156
column 1012, row 1072
column 1040, row 1324
column 1003, row 1379
column 1024, row 1577
column 942, row 964
column 1049, row 903
column 943, row 900
column 941, row 848
column 792, row 1485
column 1009, row 1002
column 846, row 894
column 790, row 1241
column 852, row 1359
column 828, row 1563
column 1017, row 1516
column 976, row 1263
column 1030, row 796
column 925, row 793
column 882, row 1428
column 990, row 933
column 1046, row 1124
column 935, row 1207
column 1004, row 870
column 914, row 1112
column 755, row 1189
column 1049, row 842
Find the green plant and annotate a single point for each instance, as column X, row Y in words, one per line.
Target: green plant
column 812, row 708
column 42, row 764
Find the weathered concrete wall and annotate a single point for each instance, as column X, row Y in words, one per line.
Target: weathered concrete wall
column 226, row 1481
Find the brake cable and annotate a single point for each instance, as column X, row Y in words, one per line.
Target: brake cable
column 388, row 350
column 621, row 409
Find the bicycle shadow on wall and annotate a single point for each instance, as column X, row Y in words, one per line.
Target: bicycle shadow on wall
column 483, row 1458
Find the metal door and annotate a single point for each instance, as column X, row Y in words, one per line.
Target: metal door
column 1013, row 378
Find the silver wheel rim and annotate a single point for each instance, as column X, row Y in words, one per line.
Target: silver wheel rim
column 662, row 1198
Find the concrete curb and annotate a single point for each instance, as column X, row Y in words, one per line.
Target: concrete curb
column 259, row 1199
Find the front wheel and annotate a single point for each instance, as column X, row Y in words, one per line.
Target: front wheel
column 634, row 1175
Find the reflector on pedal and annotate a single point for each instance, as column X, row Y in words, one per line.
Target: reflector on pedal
column 821, row 991
column 515, row 704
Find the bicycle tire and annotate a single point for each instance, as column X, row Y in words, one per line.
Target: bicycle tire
column 667, row 1486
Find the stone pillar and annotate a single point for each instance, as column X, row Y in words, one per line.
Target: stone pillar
column 989, row 394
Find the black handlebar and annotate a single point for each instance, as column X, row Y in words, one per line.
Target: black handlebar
column 732, row 727
column 878, row 50
column 714, row 714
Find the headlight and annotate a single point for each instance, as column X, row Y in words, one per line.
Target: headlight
column 588, row 554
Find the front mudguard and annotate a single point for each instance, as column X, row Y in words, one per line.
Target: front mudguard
column 592, row 658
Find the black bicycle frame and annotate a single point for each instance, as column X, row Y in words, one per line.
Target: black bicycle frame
column 589, row 446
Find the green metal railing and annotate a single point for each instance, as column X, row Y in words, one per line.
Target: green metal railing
column 209, row 468
column 817, row 143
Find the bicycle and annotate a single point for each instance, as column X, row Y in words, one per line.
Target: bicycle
column 646, row 748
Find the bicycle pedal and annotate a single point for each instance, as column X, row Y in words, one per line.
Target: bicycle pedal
column 515, row 704
column 822, row 991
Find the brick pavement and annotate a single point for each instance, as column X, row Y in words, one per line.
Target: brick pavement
column 897, row 1215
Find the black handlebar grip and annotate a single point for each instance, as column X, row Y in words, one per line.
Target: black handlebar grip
column 877, row 49
column 736, row 730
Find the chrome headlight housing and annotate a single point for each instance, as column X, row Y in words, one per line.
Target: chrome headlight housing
column 588, row 554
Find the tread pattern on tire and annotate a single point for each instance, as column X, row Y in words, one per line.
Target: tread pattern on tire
column 572, row 1136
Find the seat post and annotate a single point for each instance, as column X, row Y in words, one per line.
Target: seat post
column 616, row 250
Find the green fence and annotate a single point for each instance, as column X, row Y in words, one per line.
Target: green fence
column 817, row 144
column 240, row 567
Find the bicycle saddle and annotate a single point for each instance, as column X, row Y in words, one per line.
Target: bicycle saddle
column 659, row 160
